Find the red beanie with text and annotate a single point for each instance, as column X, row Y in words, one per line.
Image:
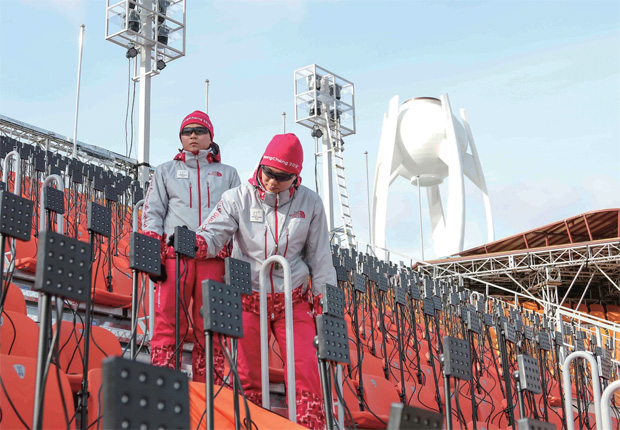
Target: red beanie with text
column 284, row 152
column 198, row 117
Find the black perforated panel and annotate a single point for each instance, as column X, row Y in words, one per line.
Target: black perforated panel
column 221, row 309
column 141, row 396
column 415, row 291
column 99, row 219
column 238, row 273
column 145, row 254
column 360, row 283
column 604, row 364
column 428, row 287
column 15, row 216
column 185, row 241
column 349, row 263
column 532, row 424
column 333, row 301
column 473, row 322
column 54, row 200
column 544, row 341
column 529, row 375
column 457, row 358
column 62, row 268
column 404, row 417
column 488, row 320
column 333, row 339
column 510, row 333
column 382, row 285
column 527, row 332
column 428, row 306
column 400, row 295
column 437, row 303
column 341, row 274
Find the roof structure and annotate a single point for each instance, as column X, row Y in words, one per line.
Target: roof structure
column 573, row 261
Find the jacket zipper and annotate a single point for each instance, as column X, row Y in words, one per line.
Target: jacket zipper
column 208, row 195
column 199, row 199
column 190, row 193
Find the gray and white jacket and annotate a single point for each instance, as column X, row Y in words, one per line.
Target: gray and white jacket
column 183, row 191
column 291, row 223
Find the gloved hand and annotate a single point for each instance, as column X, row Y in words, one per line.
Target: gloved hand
column 162, row 277
column 316, row 304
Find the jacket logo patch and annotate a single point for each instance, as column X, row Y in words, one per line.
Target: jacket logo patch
column 215, row 174
column 182, row 174
column 298, row 214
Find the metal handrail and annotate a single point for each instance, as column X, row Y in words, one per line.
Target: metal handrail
column 264, row 337
column 605, row 403
column 5, row 171
column 596, row 388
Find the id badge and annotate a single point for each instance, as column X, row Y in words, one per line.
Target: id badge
column 257, row 215
column 182, row 174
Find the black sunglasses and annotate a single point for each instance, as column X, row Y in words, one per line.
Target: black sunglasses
column 200, row 131
column 280, row 177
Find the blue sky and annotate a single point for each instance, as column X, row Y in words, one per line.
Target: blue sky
column 540, row 81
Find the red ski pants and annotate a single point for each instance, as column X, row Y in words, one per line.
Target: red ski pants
column 193, row 272
column 307, row 383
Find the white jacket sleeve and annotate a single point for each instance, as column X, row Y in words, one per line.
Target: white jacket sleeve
column 220, row 226
column 318, row 252
column 155, row 204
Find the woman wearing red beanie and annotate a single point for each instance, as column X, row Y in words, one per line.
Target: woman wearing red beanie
column 182, row 192
column 274, row 214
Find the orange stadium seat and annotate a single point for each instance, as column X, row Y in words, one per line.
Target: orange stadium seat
column 71, row 340
column 15, row 301
column 19, row 335
column 18, row 376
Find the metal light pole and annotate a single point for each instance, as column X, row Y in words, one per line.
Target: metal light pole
column 420, row 211
column 77, row 93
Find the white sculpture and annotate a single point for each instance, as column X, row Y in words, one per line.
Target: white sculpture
column 422, row 139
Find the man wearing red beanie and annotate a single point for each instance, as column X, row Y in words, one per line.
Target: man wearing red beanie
column 182, row 192
column 274, row 214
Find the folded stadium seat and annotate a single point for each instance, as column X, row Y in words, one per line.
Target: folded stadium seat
column 613, row 316
column 15, row 301
column 371, row 365
column 596, row 307
column 71, row 340
column 120, row 296
column 532, row 306
column 583, row 307
column 379, row 395
column 95, row 399
column 19, row 335
column 17, row 397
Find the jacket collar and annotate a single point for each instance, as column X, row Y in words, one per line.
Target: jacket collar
column 268, row 198
column 211, row 155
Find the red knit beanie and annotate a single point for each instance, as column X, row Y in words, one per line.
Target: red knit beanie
column 197, row 117
column 284, row 152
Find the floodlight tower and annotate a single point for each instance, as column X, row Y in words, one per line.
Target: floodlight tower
column 155, row 29
column 325, row 103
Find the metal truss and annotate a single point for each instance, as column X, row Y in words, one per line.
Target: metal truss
column 56, row 143
column 537, row 273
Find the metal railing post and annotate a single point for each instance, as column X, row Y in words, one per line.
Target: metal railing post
column 596, row 388
column 264, row 336
column 605, row 404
